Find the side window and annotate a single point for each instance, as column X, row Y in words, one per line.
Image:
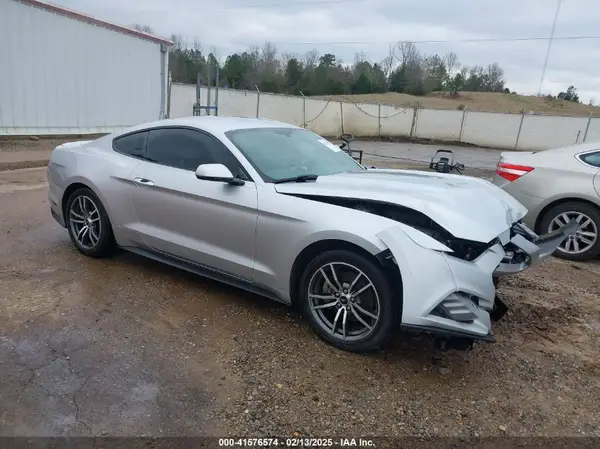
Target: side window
column 591, row 158
column 132, row 144
column 186, row 149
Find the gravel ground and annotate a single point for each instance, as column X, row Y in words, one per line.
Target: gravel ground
column 126, row 346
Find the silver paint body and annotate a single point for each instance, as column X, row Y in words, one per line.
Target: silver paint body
column 253, row 233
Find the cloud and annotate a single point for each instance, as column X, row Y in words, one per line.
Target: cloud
column 371, row 25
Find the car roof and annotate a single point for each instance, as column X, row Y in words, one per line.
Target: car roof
column 212, row 124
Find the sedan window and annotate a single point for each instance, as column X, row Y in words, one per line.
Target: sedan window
column 591, row 158
column 131, row 144
column 187, row 149
column 282, row 153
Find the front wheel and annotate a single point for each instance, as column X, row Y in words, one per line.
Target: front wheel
column 585, row 243
column 348, row 301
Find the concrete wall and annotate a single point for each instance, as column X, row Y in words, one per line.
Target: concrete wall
column 60, row 75
column 331, row 118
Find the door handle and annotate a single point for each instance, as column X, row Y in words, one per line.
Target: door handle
column 143, row 182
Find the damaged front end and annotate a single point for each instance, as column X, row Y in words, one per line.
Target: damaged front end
column 451, row 293
column 526, row 248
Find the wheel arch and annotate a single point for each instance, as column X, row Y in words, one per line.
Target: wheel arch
column 554, row 203
column 68, row 192
column 391, row 270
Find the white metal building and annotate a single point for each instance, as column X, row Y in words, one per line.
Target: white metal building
column 64, row 72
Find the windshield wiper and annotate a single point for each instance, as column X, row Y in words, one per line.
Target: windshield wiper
column 300, row 178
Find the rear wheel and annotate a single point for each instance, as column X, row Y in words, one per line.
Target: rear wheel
column 583, row 245
column 88, row 224
column 348, row 301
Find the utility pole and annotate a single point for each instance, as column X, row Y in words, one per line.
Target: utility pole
column 549, row 46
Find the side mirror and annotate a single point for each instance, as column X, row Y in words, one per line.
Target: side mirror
column 217, row 172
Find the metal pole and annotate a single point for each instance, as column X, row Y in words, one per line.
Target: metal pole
column 217, row 82
column 519, row 132
column 414, row 122
column 577, row 138
column 587, row 128
column 257, row 101
column 209, row 82
column 379, row 119
column 342, row 115
column 462, row 125
column 549, row 45
column 198, row 81
column 303, row 110
column 169, row 96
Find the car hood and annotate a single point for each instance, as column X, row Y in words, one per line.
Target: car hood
column 469, row 208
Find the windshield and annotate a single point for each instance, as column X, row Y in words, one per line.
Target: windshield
column 279, row 153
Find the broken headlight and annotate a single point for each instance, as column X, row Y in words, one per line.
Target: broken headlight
column 468, row 250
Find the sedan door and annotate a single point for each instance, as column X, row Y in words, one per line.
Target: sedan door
column 207, row 222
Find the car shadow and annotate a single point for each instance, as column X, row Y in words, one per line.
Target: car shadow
column 406, row 346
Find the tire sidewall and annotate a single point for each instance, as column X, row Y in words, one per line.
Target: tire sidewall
column 390, row 303
column 106, row 242
column 586, row 209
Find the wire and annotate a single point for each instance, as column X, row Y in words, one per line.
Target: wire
column 448, row 41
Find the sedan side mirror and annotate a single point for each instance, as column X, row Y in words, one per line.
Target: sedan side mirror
column 217, row 172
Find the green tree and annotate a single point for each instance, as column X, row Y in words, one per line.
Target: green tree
column 362, row 85
column 294, row 76
column 569, row 95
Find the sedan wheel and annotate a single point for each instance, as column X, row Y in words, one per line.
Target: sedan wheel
column 584, row 239
column 88, row 224
column 348, row 300
column 585, row 243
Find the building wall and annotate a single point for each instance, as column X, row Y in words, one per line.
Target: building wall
column 59, row 75
column 331, row 118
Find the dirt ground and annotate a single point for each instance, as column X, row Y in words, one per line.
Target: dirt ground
column 477, row 101
column 128, row 347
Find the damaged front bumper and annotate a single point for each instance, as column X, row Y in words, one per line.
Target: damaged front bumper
column 453, row 297
column 526, row 248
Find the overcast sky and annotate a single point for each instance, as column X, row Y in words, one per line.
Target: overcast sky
column 370, row 26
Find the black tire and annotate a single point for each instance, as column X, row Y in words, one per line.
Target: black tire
column 105, row 244
column 574, row 206
column 389, row 302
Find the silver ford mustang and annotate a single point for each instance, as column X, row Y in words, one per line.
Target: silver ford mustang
column 280, row 211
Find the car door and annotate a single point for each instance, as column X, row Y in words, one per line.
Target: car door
column 207, row 222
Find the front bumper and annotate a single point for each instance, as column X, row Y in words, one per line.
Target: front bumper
column 449, row 296
column 526, row 248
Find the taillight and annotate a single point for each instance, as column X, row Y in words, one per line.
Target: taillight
column 510, row 172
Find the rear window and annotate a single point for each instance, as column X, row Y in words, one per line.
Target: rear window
column 131, row 144
column 591, row 158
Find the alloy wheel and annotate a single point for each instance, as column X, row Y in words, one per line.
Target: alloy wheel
column 84, row 220
column 344, row 301
column 583, row 240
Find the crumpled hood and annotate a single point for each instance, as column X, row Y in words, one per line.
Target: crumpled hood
column 469, row 208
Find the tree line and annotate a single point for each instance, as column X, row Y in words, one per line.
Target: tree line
column 404, row 70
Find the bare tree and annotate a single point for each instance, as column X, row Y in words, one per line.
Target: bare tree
column 311, row 59
column 269, row 64
column 387, row 65
column 197, row 46
column 452, row 63
column 359, row 57
column 143, row 28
